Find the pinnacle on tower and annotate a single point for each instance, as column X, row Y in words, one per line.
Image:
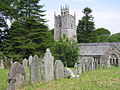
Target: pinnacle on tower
column 64, row 10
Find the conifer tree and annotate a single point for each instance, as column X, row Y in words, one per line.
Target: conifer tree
column 86, row 27
column 28, row 34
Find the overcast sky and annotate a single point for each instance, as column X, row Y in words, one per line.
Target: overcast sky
column 106, row 12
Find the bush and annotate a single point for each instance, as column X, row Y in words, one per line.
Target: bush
column 65, row 50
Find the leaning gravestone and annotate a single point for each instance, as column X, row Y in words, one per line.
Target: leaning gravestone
column 68, row 73
column 58, row 69
column 48, row 66
column 16, row 76
column 1, row 64
column 30, row 60
column 25, row 63
column 35, row 70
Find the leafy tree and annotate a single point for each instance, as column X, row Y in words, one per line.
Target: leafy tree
column 66, row 50
column 102, row 34
column 28, row 34
column 114, row 38
column 86, row 27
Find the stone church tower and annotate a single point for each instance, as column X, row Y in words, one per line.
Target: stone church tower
column 65, row 24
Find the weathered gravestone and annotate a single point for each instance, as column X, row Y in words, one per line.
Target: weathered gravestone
column 48, row 66
column 79, row 68
column 30, row 60
column 76, row 69
column 11, row 62
column 58, row 69
column 1, row 64
column 36, row 70
column 68, row 73
column 25, row 63
column 16, row 76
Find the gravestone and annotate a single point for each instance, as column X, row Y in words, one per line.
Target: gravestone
column 35, row 70
column 11, row 62
column 48, row 66
column 79, row 68
column 76, row 69
column 30, row 60
column 16, row 76
column 58, row 69
column 25, row 63
column 68, row 73
column 1, row 64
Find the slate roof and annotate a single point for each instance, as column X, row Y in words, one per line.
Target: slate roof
column 96, row 48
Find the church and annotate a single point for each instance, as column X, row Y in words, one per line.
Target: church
column 65, row 24
column 92, row 55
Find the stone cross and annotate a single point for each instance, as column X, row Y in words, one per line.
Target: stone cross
column 58, row 69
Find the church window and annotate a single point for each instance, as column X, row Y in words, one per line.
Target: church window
column 113, row 59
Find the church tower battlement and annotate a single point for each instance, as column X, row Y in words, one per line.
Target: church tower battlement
column 65, row 24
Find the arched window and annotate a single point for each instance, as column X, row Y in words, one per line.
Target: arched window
column 113, row 59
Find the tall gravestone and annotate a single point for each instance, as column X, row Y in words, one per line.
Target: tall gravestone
column 48, row 66
column 36, row 70
column 79, row 68
column 16, row 76
column 1, row 64
column 25, row 63
column 11, row 62
column 58, row 69
column 76, row 69
column 30, row 60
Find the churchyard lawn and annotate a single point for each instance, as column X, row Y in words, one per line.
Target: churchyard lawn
column 101, row 79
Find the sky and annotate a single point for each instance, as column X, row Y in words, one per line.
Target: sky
column 106, row 13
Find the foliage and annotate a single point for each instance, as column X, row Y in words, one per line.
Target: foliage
column 114, row 38
column 66, row 50
column 102, row 34
column 28, row 34
column 1, row 55
column 86, row 27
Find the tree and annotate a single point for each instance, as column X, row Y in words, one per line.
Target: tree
column 28, row 34
column 102, row 34
column 65, row 50
column 6, row 11
column 114, row 38
column 86, row 27
column 3, row 29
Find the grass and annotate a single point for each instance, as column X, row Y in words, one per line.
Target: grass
column 101, row 79
column 3, row 79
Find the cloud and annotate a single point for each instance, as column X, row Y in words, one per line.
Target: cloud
column 79, row 0
column 83, row 0
column 108, row 20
